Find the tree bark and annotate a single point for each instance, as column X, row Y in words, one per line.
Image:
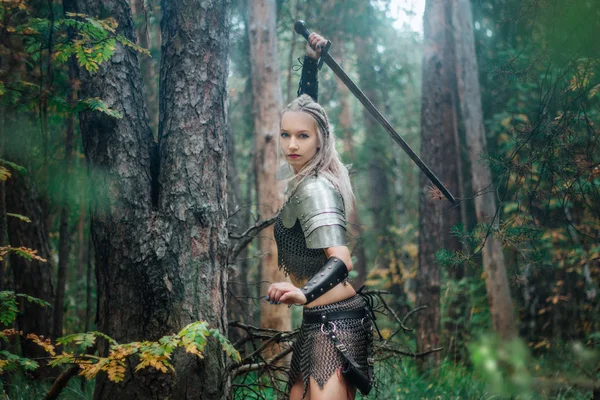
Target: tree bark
column 193, row 177
column 160, row 234
column 437, row 151
column 496, row 279
column 145, row 32
column 30, row 277
column 266, row 91
column 3, row 216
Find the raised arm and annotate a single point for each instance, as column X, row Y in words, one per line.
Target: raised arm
column 309, row 83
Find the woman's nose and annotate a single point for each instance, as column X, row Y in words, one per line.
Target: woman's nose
column 293, row 144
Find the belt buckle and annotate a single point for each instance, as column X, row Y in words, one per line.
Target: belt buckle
column 370, row 361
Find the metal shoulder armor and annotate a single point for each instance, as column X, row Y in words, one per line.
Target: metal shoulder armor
column 320, row 209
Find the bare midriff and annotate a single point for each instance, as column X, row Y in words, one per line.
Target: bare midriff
column 339, row 292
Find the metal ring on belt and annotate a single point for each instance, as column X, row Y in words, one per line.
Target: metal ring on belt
column 333, row 316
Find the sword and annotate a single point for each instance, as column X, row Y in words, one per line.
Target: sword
column 301, row 29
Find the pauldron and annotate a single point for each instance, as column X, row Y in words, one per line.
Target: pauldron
column 320, row 209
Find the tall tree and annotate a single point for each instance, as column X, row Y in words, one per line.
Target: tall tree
column 65, row 211
column 30, row 277
column 160, row 234
column 438, row 151
column 380, row 204
column 346, row 132
column 266, row 91
column 469, row 91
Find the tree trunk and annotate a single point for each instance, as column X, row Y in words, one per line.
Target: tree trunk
column 64, row 236
column 30, row 277
column 145, row 32
column 380, row 202
column 266, row 91
column 437, row 151
column 496, row 279
column 161, row 255
column 346, row 132
column 3, row 216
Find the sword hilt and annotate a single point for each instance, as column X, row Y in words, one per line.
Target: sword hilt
column 301, row 29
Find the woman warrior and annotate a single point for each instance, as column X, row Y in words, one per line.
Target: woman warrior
column 332, row 353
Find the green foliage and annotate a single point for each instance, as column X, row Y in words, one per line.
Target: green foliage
column 10, row 362
column 9, row 306
column 74, row 347
column 14, row 166
column 96, row 104
column 503, row 364
column 90, row 41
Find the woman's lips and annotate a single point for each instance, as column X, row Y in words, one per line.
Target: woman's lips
column 294, row 156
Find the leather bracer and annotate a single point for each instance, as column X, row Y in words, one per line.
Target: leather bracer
column 308, row 81
column 333, row 272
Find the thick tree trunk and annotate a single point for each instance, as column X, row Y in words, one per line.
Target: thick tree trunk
column 161, row 256
column 266, row 91
column 30, row 277
column 193, row 177
column 437, row 151
column 496, row 279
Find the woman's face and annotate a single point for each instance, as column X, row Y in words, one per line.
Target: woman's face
column 299, row 139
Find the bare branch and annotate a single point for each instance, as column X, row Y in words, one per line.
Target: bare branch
column 245, row 238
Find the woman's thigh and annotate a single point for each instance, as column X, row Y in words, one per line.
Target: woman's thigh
column 335, row 388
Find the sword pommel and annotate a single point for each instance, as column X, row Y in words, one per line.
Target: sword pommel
column 300, row 28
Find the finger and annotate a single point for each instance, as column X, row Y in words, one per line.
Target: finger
column 287, row 298
column 276, row 295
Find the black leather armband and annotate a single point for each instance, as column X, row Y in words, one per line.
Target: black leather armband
column 333, row 272
column 309, row 83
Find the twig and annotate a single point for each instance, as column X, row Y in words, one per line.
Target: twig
column 257, row 366
column 247, row 237
column 413, row 355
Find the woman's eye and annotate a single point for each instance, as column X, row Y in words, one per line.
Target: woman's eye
column 304, row 136
column 285, row 135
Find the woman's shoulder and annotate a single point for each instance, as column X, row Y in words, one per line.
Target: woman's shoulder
column 315, row 184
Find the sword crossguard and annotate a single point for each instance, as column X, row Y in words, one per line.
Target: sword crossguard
column 324, row 50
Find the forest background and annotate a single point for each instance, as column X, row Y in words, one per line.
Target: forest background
column 137, row 167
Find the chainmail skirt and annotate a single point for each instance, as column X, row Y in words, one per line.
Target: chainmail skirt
column 313, row 351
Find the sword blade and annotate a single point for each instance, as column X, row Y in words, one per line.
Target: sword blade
column 340, row 73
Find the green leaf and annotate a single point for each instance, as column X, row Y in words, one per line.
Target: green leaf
column 19, row 216
column 34, row 300
column 14, row 166
column 96, row 104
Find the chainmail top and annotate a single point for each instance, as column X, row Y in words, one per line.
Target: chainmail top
column 314, row 354
column 292, row 254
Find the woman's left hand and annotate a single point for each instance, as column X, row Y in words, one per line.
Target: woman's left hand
column 286, row 293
